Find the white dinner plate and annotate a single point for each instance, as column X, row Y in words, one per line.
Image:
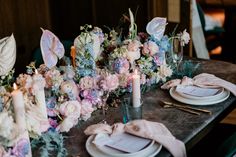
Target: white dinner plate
column 117, row 153
column 185, row 100
column 211, row 97
column 95, row 152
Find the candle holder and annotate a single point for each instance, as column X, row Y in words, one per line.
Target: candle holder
column 129, row 112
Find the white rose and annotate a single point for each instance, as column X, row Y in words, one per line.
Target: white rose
column 67, row 124
column 164, row 71
column 70, row 108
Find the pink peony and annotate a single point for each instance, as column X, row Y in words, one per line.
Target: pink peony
column 111, row 82
column 94, row 96
column 150, row 48
column 86, row 109
column 70, row 88
column 134, row 45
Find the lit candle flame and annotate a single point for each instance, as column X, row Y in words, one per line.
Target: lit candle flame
column 36, row 71
column 15, row 86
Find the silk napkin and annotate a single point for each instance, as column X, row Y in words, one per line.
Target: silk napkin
column 203, row 80
column 146, row 129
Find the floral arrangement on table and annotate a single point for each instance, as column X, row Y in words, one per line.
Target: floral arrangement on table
column 57, row 96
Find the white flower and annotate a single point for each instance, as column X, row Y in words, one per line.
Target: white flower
column 70, row 108
column 67, row 124
column 7, row 125
column 35, row 121
column 185, row 37
column 164, row 71
column 156, row 27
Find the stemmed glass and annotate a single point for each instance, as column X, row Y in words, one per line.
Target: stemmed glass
column 177, row 51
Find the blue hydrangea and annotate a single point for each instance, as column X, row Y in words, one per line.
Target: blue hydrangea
column 164, row 44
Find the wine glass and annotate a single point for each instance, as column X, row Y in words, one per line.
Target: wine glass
column 177, row 51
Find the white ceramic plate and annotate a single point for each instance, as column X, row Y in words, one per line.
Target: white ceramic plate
column 95, row 152
column 212, row 97
column 117, row 153
column 185, row 100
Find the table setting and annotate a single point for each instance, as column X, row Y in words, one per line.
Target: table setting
column 111, row 96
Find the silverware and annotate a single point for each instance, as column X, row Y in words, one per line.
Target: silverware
column 188, row 110
column 186, row 107
column 180, row 108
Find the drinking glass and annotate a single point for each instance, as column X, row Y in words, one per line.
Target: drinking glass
column 177, row 51
column 128, row 111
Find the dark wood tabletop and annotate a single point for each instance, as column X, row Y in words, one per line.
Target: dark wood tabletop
column 184, row 126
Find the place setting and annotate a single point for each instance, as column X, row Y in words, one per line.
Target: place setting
column 201, row 90
column 115, row 141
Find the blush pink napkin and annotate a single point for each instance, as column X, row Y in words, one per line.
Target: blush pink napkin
column 202, row 80
column 143, row 128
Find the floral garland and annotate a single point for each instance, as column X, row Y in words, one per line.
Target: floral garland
column 100, row 65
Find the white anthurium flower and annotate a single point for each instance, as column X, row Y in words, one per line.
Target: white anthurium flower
column 131, row 16
column 81, row 41
column 156, row 27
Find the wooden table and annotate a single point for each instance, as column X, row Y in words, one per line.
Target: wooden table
column 186, row 127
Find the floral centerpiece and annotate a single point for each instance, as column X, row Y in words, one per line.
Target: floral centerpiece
column 100, row 65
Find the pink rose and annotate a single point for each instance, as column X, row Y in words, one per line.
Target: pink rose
column 150, row 48
column 111, row 82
